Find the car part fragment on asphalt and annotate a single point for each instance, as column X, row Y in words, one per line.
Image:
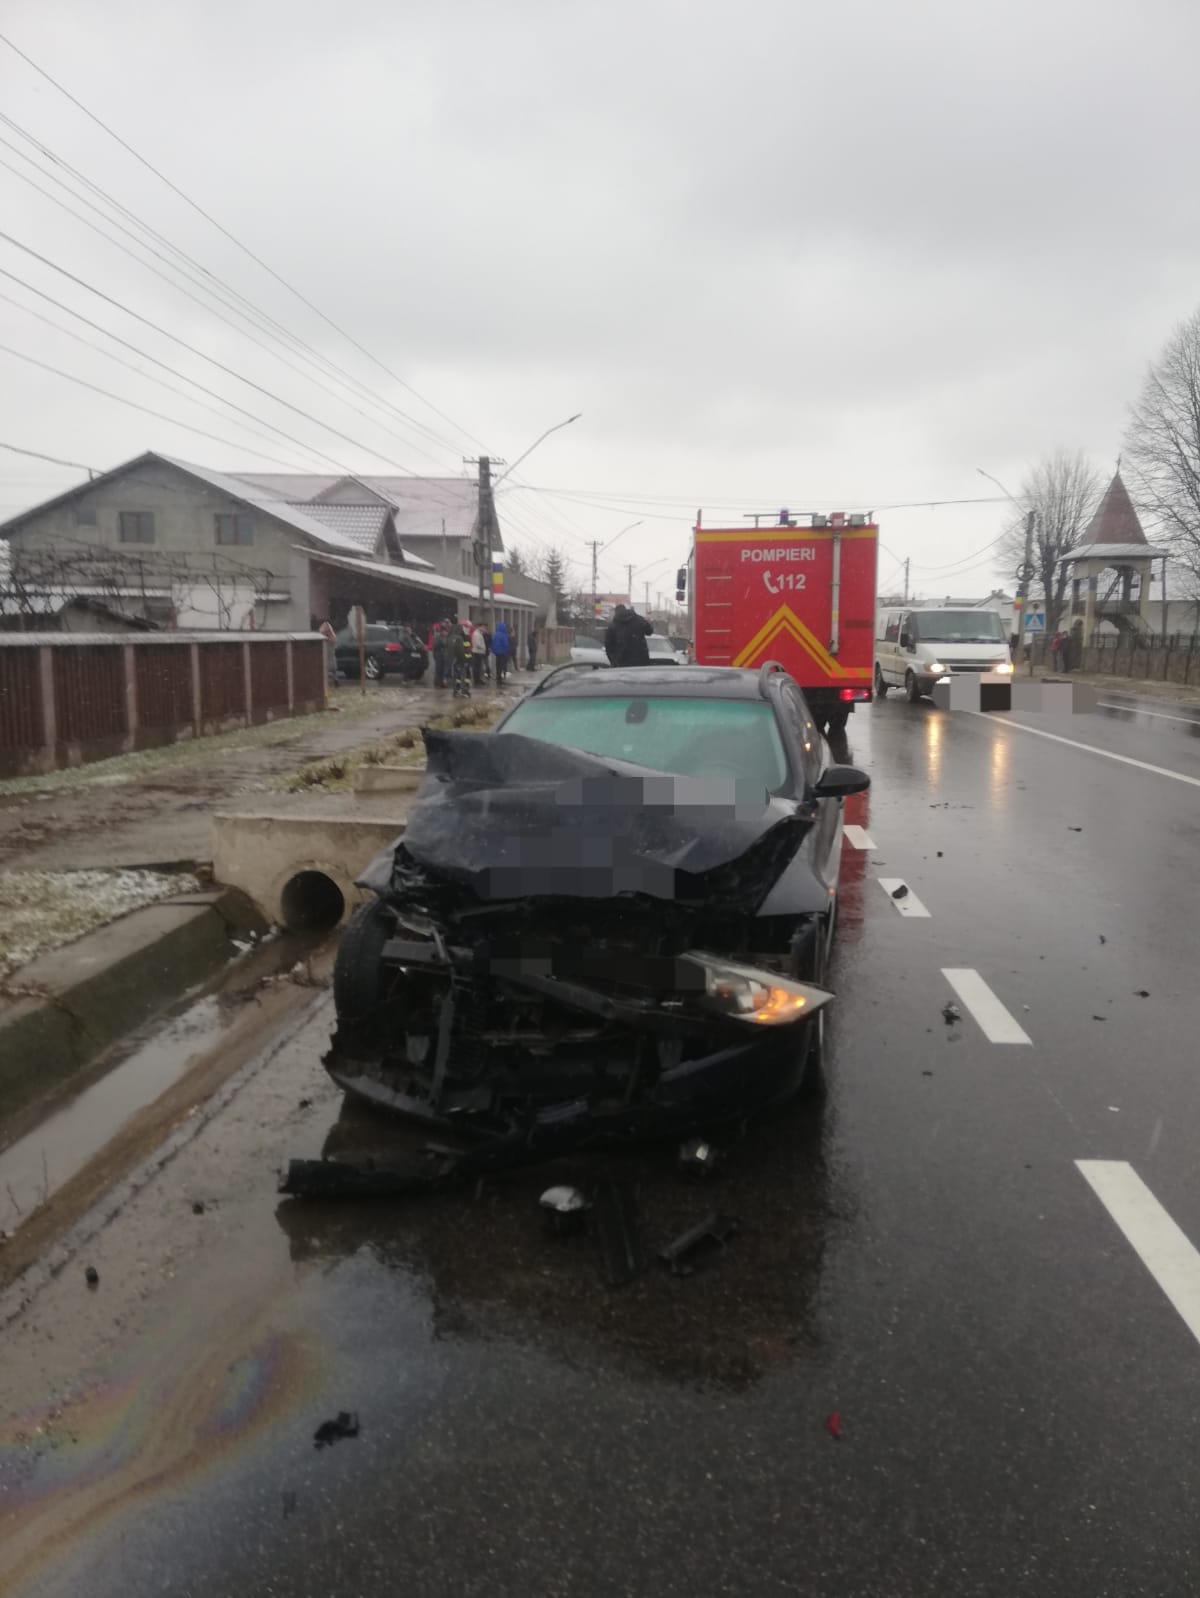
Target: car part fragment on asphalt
column 951, row 1013
column 901, row 892
column 713, row 1229
column 699, row 1158
column 565, row 1209
column 618, row 1237
column 92, row 1276
column 332, row 1431
column 833, row 1425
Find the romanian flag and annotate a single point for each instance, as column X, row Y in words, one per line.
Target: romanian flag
column 497, row 574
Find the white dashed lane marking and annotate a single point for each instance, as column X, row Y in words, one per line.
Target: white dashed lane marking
column 858, row 837
column 1136, row 710
column 1108, row 754
column 908, row 904
column 996, row 1024
column 1163, row 1248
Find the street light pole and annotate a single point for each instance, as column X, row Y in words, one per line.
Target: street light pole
column 526, row 453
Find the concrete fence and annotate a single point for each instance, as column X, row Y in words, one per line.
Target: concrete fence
column 1174, row 658
column 65, row 700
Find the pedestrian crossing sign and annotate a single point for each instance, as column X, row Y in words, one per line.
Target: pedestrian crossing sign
column 1035, row 621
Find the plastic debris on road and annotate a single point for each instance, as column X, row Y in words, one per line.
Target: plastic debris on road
column 332, row 1431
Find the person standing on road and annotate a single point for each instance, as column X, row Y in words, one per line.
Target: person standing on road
column 460, row 652
column 501, row 649
column 437, row 648
column 1056, row 645
column 478, row 654
column 327, row 633
column 625, row 641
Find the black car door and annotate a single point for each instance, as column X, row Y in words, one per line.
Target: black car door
column 824, row 837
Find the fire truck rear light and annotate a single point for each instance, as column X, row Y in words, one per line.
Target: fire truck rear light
column 850, row 695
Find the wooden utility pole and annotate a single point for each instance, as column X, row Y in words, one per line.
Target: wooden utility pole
column 906, row 560
column 487, row 536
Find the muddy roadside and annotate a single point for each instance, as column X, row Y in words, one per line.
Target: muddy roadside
column 154, row 809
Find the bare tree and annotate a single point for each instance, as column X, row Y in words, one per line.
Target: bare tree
column 1062, row 490
column 1162, row 445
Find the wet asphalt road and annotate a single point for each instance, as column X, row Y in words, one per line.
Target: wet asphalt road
column 1019, row 1398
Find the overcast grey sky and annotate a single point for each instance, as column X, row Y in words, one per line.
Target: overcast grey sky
column 782, row 253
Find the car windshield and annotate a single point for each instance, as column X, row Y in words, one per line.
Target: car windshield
column 659, row 646
column 688, row 737
column 958, row 627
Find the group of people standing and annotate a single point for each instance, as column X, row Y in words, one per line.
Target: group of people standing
column 466, row 652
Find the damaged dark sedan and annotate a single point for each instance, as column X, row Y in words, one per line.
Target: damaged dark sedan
column 609, row 917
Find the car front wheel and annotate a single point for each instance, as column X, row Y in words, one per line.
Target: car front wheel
column 912, row 687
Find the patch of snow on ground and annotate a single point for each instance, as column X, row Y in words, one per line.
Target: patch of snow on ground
column 42, row 910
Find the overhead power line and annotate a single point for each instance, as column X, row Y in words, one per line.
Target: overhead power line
column 199, row 276
column 145, row 409
column 211, row 359
column 36, row 454
column 166, row 367
column 137, row 370
column 232, row 237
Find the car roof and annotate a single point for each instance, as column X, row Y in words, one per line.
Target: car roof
column 673, row 682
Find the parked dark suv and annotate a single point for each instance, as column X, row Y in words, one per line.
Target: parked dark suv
column 387, row 652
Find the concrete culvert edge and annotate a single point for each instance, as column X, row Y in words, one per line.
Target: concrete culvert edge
column 311, row 901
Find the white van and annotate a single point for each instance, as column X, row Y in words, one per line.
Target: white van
column 914, row 647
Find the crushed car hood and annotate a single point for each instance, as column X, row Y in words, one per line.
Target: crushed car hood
column 510, row 817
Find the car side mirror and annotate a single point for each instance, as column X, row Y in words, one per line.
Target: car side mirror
column 839, row 782
column 906, row 640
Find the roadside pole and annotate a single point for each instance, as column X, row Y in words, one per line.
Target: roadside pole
column 1024, row 575
column 362, row 654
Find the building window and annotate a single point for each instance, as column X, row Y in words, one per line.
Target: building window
column 233, row 529
column 468, row 563
column 137, row 527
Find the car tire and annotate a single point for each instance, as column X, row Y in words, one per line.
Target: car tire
column 358, row 994
column 912, row 688
column 372, row 668
column 815, row 969
column 881, row 687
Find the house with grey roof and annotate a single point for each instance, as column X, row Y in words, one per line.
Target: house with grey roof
column 182, row 545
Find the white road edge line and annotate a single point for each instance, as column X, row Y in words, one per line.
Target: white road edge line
column 1163, row 1248
column 1136, row 710
column 858, row 837
column 996, row 1024
column 908, row 904
column 1125, row 760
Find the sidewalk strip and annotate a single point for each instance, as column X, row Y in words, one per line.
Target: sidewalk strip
column 908, row 904
column 974, row 994
column 1091, row 749
column 1163, row 1248
column 858, row 837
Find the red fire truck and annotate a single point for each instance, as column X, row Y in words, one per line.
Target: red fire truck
column 801, row 595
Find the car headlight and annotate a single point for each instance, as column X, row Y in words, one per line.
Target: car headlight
column 937, row 667
column 761, row 998
column 1004, row 667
